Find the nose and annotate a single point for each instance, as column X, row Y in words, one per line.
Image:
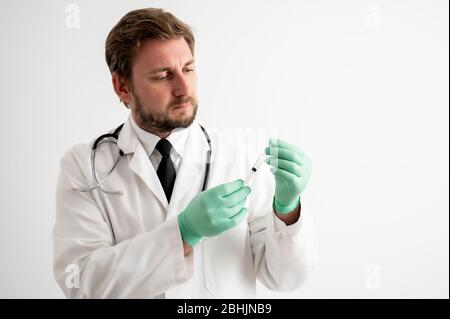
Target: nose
column 182, row 86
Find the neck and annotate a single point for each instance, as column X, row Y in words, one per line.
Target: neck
column 155, row 132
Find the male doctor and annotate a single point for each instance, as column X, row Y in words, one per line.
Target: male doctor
column 163, row 237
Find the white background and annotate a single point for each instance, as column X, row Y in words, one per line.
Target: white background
column 361, row 86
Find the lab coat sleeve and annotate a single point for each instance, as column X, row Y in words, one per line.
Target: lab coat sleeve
column 284, row 256
column 87, row 265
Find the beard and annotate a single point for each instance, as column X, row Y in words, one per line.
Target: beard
column 161, row 122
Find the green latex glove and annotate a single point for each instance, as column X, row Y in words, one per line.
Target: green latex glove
column 292, row 169
column 213, row 211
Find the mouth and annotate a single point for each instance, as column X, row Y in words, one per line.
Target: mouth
column 182, row 106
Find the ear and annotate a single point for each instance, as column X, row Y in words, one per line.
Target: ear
column 121, row 88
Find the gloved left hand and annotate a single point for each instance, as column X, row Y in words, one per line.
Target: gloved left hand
column 292, row 169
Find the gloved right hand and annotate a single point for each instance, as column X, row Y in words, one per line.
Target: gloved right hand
column 213, row 211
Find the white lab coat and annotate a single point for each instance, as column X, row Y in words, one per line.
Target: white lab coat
column 148, row 260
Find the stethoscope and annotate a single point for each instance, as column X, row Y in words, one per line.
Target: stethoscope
column 113, row 138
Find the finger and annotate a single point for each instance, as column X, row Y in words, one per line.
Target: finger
column 276, row 142
column 284, row 153
column 229, row 212
column 237, row 207
column 228, row 188
column 288, row 176
column 237, row 196
column 303, row 170
column 236, row 219
column 227, row 216
column 289, row 166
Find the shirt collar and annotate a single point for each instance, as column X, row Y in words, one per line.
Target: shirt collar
column 177, row 138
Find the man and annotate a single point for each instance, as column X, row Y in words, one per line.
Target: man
column 163, row 237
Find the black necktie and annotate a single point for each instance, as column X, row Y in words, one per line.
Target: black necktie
column 166, row 171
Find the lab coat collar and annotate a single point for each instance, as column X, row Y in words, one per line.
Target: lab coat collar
column 192, row 165
column 127, row 140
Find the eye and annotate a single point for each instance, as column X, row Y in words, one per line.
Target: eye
column 162, row 78
column 166, row 76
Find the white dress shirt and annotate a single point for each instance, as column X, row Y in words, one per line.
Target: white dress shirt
column 148, row 140
column 178, row 137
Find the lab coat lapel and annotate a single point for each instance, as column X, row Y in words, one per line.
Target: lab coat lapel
column 191, row 172
column 139, row 162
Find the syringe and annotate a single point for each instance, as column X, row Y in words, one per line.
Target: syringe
column 255, row 167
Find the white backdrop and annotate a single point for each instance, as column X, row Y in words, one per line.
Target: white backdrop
column 361, row 86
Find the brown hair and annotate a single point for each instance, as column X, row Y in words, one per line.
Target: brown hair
column 125, row 38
